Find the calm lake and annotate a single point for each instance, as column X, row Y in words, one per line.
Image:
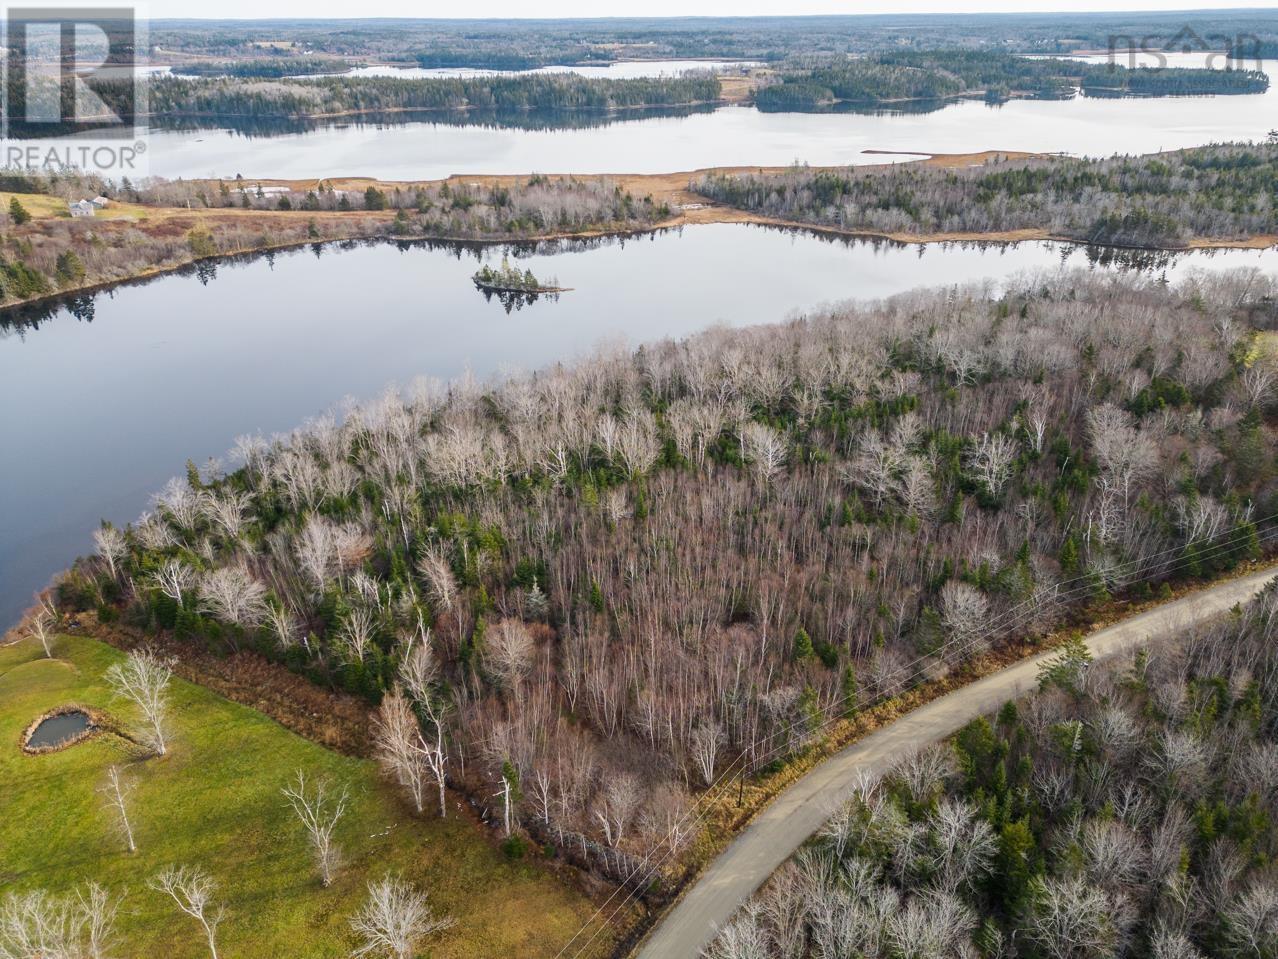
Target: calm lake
column 723, row 137
column 176, row 368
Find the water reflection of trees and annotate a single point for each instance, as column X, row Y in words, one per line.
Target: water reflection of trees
column 25, row 317
column 876, row 109
column 532, row 120
column 515, row 300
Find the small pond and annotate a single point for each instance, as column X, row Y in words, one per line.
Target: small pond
column 56, row 730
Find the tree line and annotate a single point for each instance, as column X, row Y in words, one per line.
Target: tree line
column 814, row 82
column 42, row 256
column 170, row 96
column 585, row 591
column 265, row 68
column 1161, row 200
column 519, row 44
column 1123, row 811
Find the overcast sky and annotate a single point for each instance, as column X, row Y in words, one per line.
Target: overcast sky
column 619, row 8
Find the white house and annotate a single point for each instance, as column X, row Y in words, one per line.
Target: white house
column 80, row 208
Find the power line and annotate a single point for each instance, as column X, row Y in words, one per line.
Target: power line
column 1240, row 538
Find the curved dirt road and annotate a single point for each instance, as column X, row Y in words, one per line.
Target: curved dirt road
column 804, row 806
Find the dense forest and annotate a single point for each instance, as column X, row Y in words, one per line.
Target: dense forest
column 1120, row 811
column 268, row 89
column 43, row 256
column 1165, row 199
column 264, row 68
column 323, row 96
column 596, row 585
column 487, row 57
column 921, row 75
column 518, row 44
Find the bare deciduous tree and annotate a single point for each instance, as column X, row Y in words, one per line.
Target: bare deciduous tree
column 964, row 610
column 42, row 629
column 111, row 546
column 616, row 806
column 143, row 678
column 356, row 633
column 192, row 889
column 394, row 919
column 320, row 808
column 434, row 569
column 990, row 462
column 420, row 672
column 175, row 579
column 116, row 792
column 38, row 925
column 508, row 653
column 1251, row 921
column 233, row 595
column 765, row 449
column 401, row 749
column 707, row 737
column 1070, row 918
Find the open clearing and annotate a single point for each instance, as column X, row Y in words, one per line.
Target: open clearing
column 215, row 801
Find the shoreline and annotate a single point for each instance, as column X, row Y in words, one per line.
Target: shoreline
column 730, row 215
column 674, row 189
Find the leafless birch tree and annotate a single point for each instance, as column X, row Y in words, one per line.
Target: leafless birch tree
column 320, row 807
column 143, row 678
column 116, row 792
column 401, row 749
column 394, row 920
column 192, row 890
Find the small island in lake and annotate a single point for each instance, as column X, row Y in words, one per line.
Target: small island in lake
column 510, row 279
column 515, row 288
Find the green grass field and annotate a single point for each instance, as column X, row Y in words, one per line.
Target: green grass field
column 215, row 801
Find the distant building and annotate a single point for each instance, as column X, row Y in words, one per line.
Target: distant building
column 100, row 202
column 80, row 208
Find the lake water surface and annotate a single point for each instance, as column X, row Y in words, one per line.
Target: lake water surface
column 737, row 135
column 102, row 413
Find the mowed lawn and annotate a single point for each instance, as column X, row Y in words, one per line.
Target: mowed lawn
column 215, row 802
column 41, row 206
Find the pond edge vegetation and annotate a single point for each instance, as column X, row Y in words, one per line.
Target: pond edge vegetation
column 98, row 722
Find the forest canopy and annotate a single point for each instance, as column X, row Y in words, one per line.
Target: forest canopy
column 1122, row 811
column 315, row 96
column 935, row 74
column 614, row 575
column 1160, row 200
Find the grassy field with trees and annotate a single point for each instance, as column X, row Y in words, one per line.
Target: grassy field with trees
column 214, row 802
column 1126, row 810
